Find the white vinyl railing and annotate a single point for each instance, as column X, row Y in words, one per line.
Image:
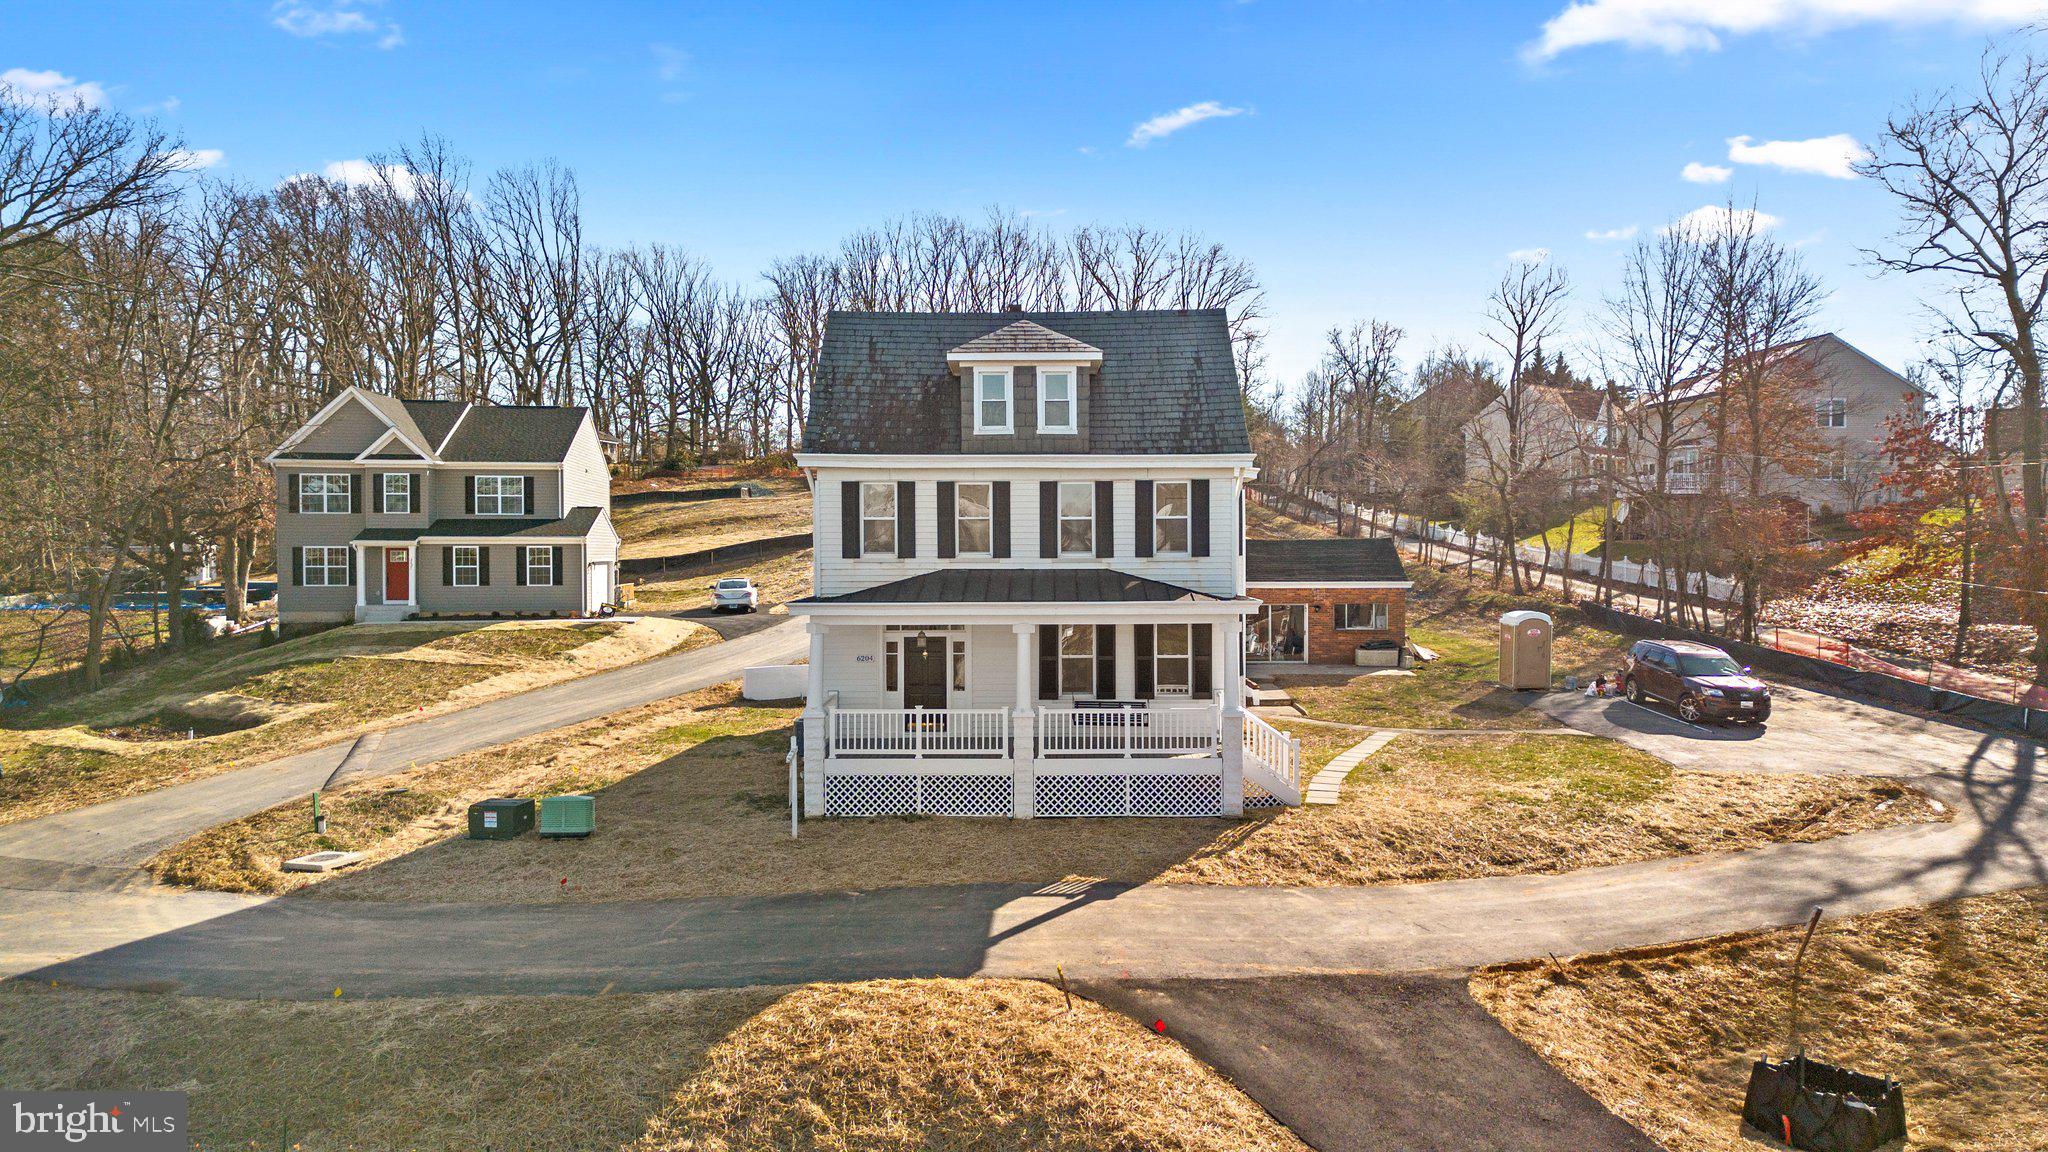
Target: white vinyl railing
column 1278, row 751
column 1128, row 731
column 918, row 732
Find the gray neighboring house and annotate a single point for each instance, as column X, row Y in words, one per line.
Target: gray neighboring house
column 389, row 509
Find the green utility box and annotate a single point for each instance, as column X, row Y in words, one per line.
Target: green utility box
column 568, row 816
column 500, row 818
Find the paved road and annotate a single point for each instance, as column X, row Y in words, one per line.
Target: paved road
column 1376, row 1063
column 124, row 833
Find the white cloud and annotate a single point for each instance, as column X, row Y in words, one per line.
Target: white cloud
column 1528, row 255
column 361, row 173
column 1034, row 213
column 51, row 89
column 191, row 159
column 1712, row 219
column 1611, row 234
column 310, row 18
column 670, row 63
column 1166, row 124
column 1697, row 173
column 1685, row 25
column 1833, row 156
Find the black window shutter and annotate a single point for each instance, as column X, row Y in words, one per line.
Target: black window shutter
column 1141, row 660
column 556, row 567
column 1240, row 520
column 849, row 519
column 1144, row 513
column 1198, row 518
column 298, row 560
column 416, row 497
column 1201, row 644
column 526, row 495
column 999, row 507
column 292, row 488
column 351, row 567
column 483, row 566
column 948, row 545
column 1048, row 661
column 448, row 565
column 469, row 495
column 1049, row 518
column 519, row 564
column 1105, row 661
column 1105, row 518
column 906, row 518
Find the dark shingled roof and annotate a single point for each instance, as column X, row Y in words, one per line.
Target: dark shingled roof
column 1168, row 383
column 316, row 455
column 524, row 434
column 1026, row 336
column 435, row 418
column 578, row 522
column 1336, row 561
column 1020, row 586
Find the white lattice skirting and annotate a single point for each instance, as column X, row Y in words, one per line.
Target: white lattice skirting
column 905, row 795
column 1098, row 794
column 1132, row 795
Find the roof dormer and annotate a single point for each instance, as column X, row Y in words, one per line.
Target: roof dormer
column 1025, row 342
column 1024, row 389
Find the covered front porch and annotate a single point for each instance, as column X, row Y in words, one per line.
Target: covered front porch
column 1095, row 694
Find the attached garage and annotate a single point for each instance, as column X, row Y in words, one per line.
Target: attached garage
column 1324, row 600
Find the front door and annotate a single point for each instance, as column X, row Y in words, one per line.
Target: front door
column 924, row 671
column 397, row 575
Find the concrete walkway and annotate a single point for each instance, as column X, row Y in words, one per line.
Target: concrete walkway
column 1327, row 786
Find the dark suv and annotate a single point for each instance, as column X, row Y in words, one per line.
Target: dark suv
column 1702, row 681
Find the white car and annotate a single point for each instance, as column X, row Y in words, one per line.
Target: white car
column 735, row 594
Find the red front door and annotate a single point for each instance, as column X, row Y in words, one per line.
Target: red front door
column 397, row 575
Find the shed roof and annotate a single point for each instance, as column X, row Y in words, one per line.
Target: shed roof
column 1338, row 560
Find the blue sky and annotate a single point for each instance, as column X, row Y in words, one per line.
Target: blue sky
column 1374, row 159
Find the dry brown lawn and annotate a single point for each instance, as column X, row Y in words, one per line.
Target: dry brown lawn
column 1948, row 999
column 669, row 529
column 692, row 801
column 910, row 1064
column 780, row 578
column 304, row 693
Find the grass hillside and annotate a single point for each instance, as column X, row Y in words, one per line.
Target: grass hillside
column 656, row 527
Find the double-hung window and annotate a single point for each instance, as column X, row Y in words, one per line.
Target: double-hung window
column 501, row 496
column 1056, row 400
column 878, row 518
column 1170, row 518
column 1831, row 413
column 1077, row 660
column 993, row 410
column 468, row 565
column 397, row 494
column 1077, row 519
column 326, row 567
column 975, row 515
column 1173, row 660
column 323, row 492
column 1362, row 617
column 540, row 564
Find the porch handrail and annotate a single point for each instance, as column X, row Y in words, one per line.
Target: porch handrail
column 917, row 733
column 1128, row 732
column 1279, row 752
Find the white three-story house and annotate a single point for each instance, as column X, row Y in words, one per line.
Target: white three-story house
column 1028, row 585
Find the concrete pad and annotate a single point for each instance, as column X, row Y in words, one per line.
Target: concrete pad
column 322, row 861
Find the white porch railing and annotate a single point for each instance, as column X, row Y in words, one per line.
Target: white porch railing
column 1128, row 731
column 1277, row 754
column 918, row 733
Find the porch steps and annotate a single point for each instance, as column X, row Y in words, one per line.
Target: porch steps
column 1329, row 783
column 382, row 613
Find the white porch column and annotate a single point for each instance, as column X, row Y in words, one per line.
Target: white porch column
column 813, row 721
column 412, row 575
column 362, row 567
column 1228, row 666
column 1023, row 762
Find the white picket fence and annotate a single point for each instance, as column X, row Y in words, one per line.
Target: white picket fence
column 1645, row 575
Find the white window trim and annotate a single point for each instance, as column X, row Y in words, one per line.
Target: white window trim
column 547, row 554
column 957, row 636
column 384, row 496
column 1009, row 424
column 961, row 518
column 1060, row 517
column 895, row 524
column 518, row 493
column 1073, row 425
column 1832, row 412
column 1094, row 659
column 332, row 575
column 1379, row 612
column 1187, row 518
column 326, row 494
column 475, row 566
column 1159, row 657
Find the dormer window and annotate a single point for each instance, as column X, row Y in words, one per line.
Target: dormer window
column 1056, row 400
column 993, row 409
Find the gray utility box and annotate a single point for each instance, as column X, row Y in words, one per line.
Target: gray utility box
column 500, row 818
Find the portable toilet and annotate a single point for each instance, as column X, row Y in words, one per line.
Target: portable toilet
column 1525, row 650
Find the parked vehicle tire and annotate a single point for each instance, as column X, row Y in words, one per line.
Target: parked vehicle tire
column 1689, row 708
column 1635, row 691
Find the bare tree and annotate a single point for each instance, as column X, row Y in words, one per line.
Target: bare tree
column 64, row 163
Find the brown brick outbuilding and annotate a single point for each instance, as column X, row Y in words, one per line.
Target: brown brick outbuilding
column 1321, row 596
